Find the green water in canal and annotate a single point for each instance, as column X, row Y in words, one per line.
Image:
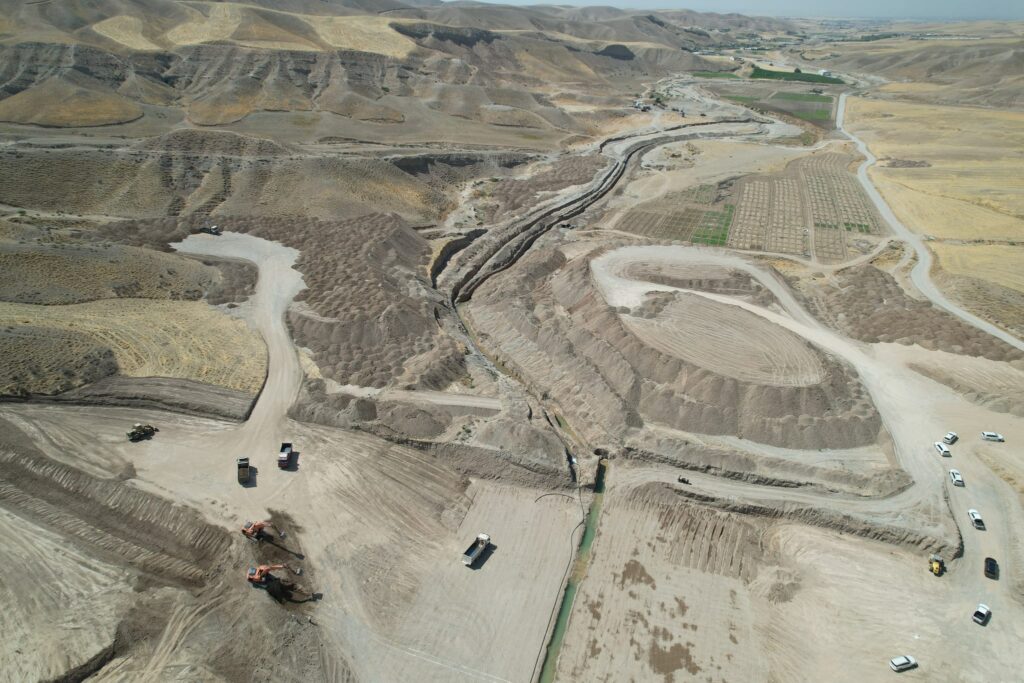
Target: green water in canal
column 579, row 572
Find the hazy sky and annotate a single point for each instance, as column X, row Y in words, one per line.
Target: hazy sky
column 915, row 9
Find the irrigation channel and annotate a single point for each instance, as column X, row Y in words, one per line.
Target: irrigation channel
column 579, row 572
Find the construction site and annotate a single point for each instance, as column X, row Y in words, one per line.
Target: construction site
column 453, row 342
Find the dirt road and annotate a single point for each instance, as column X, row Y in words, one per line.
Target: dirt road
column 921, row 274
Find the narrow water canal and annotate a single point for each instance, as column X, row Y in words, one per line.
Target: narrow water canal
column 579, row 572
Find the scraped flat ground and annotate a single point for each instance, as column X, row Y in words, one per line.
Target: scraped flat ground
column 475, row 615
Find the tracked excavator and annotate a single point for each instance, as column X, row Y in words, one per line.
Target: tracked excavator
column 257, row 531
column 140, row 431
column 260, row 576
column 937, row 565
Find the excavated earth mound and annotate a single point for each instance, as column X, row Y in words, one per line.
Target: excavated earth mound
column 546, row 320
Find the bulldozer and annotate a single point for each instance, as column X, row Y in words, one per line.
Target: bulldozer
column 140, row 431
column 937, row 565
column 257, row 531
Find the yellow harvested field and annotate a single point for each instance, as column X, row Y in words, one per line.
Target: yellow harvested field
column 236, row 23
column 970, row 156
column 177, row 339
column 1001, row 264
column 943, row 217
column 366, row 33
column 222, row 21
column 125, row 30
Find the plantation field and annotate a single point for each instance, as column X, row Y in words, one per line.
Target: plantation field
column 814, row 114
column 714, row 74
column 758, row 72
column 802, row 97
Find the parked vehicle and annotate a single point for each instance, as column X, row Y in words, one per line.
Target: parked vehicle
column 942, row 449
column 285, row 456
column 976, row 519
column 902, row 663
column 992, row 436
column 958, row 479
column 475, row 549
column 982, row 614
column 991, row 568
column 950, row 438
column 243, row 471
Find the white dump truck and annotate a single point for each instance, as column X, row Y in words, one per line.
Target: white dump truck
column 285, row 455
column 476, row 549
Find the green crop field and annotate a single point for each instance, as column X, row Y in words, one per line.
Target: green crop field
column 714, row 74
column 801, row 97
column 813, row 115
column 714, row 227
column 791, row 76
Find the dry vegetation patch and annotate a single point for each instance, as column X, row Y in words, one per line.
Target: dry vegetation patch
column 189, row 340
column 868, row 304
column 68, row 102
column 67, row 273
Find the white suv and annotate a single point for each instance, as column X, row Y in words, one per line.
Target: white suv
column 992, row 436
column 958, row 479
column 950, row 438
column 976, row 519
column 942, row 449
column 902, row 663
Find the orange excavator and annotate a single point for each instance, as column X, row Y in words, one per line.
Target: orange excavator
column 257, row 531
column 260, row 576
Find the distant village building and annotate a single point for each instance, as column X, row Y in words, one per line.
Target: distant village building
column 825, row 72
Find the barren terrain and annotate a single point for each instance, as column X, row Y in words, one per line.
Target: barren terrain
column 671, row 316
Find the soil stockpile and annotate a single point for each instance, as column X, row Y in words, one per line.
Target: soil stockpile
column 545, row 316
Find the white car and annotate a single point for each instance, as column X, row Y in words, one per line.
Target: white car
column 943, row 450
column 950, row 438
column 958, row 479
column 976, row 519
column 902, row 663
column 992, row 436
column 982, row 614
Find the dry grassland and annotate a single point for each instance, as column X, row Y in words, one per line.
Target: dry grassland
column 188, row 340
column 125, row 30
column 1000, row 264
column 68, row 275
column 971, row 186
column 220, row 22
column 235, row 22
column 367, row 34
column 59, row 102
